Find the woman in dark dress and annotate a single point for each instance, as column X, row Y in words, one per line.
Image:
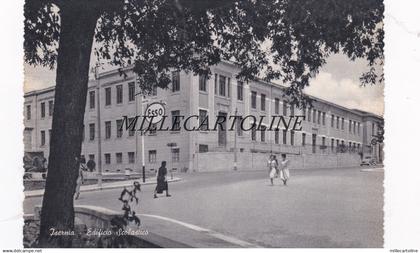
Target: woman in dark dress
column 162, row 182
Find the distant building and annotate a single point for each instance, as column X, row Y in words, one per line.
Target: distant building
column 328, row 129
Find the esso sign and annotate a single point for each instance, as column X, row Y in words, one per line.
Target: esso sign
column 155, row 110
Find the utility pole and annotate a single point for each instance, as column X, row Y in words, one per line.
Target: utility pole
column 98, row 117
column 235, row 154
column 142, row 144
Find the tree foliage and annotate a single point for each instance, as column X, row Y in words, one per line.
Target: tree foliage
column 287, row 40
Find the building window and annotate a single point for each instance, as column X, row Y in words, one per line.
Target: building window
column 92, row 99
column 338, row 122
column 240, row 90
column 131, row 91
column 175, row 81
column 131, row 157
column 303, row 139
column 108, row 96
column 175, row 120
column 323, row 141
column 91, row 132
column 203, row 148
column 91, row 157
column 276, row 106
column 284, row 137
column 50, row 107
column 254, row 132
column 118, row 157
column 373, row 128
column 175, row 154
column 319, row 118
column 42, row 138
column 131, row 132
column 292, row 110
column 222, row 85
column 332, row 120
column 107, row 158
column 203, row 121
column 292, row 137
column 263, row 128
column 284, row 108
column 342, row 124
column 254, row 99
column 28, row 112
column 332, row 144
column 314, row 116
column 323, row 118
column 262, row 102
column 309, row 114
column 358, row 128
column 202, row 82
column 304, row 113
column 276, row 136
column 119, row 128
column 354, row 127
column 350, row 126
column 152, row 156
column 107, row 129
column 119, row 94
column 42, row 110
column 337, row 142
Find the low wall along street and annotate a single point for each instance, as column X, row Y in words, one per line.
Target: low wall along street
column 219, row 161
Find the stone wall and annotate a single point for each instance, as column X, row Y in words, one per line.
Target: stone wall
column 223, row 161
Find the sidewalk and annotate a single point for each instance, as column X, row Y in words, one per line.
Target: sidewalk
column 105, row 186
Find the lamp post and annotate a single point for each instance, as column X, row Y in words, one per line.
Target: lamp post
column 98, row 122
column 235, row 154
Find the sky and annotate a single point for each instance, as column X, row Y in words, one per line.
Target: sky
column 337, row 82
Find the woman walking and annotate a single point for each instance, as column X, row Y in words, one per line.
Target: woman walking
column 284, row 169
column 162, row 182
column 272, row 168
column 80, row 179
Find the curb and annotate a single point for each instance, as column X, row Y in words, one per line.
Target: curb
column 39, row 193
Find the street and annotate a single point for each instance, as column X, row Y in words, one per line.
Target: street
column 318, row 208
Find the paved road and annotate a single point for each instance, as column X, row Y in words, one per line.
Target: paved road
column 318, row 208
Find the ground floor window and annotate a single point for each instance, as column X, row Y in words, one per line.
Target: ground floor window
column 152, row 156
column 175, row 155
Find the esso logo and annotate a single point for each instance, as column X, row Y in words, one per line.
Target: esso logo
column 155, row 112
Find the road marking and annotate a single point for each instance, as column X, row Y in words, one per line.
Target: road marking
column 223, row 237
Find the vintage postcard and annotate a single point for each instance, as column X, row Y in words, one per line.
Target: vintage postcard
column 203, row 124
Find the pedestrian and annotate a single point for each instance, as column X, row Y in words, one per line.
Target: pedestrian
column 80, row 179
column 277, row 166
column 162, row 180
column 271, row 168
column 284, row 169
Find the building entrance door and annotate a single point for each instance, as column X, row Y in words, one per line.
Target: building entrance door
column 221, row 129
column 313, row 143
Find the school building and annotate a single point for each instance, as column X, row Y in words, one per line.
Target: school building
column 331, row 136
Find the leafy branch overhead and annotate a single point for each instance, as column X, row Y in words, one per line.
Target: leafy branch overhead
column 287, row 40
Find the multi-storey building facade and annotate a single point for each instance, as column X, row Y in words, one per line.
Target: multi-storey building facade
column 327, row 128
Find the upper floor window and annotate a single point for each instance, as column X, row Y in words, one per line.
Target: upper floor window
column 119, row 94
column 319, row 118
column 240, row 91
column 292, row 110
column 42, row 138
column 175, row 81
column 262, row 102
column 107, row 129
column 350, row 126
column 131, row 91
column 222, row 85
column 332, row 120
column 50, row 107
column 91, row 99
column 175, row 154
column 202, row 82
column 309, row 114
column 323, row 118
column 28, row 112
column 284, row 108
column 338, row 122
column 108, row 96
column 91, row 131
column 254, row 99
column 276, row 106
column 131, row 157
column 342, row 124
column 42, row 110
column 175, row 120
column 263, row 128
column 314, row 116
column 119, row 128
column 152, row 156
column 203, row 120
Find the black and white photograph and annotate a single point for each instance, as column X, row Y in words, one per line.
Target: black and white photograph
column 212, row 124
